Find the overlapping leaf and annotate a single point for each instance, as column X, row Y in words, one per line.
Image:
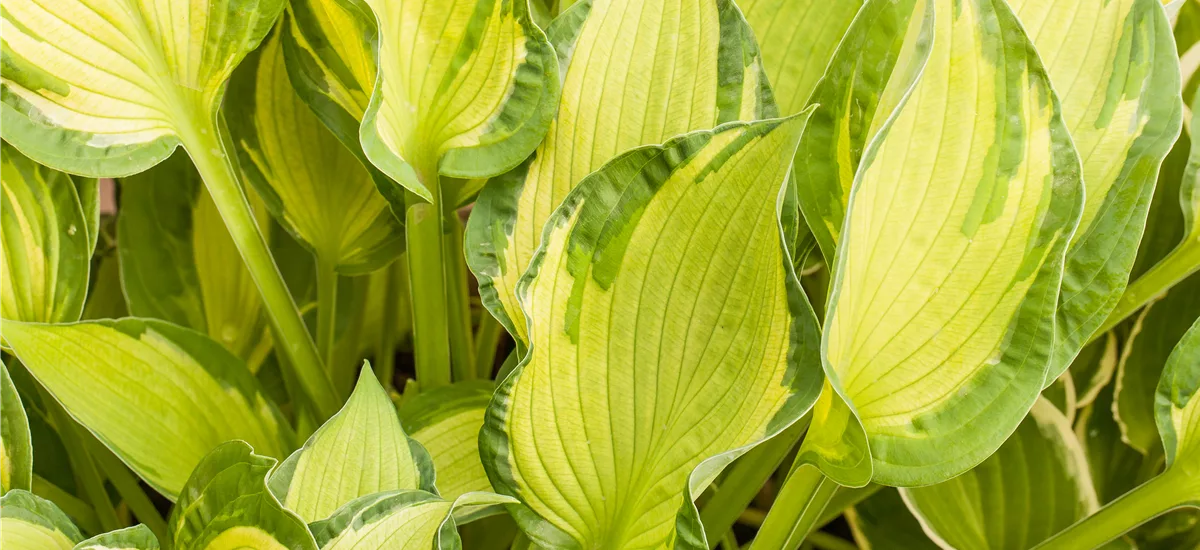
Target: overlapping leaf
column 48, row 236
column 1116, row 73
column 312, row 184
column 625, row 84
column 138, row 537
column 1178, row 414
column 178, row 262
column 109, row 88
column 446, row 421
column 29, row 522
column 883, row 522
column 226, row 506
column 400, row 519
column 668, row 336
column 16, row 448
column 143, row 386
column 939, row 330
column 359, row 451
column 1035, row 485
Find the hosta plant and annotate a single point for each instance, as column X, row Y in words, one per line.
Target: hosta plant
column 599, row 274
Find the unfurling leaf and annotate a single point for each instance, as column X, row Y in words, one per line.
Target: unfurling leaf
column 400, row 519
column 940, row 324
column 652, row 89
column 47, row 236
column 1177, row 411
column 446, row 421
column 226, row 506
column 29, row 522
column 668, row 336
column 361, row 450
column 178, row 262
column 16, row 447
column 146, row 386
column 312, row 184
column 1035, row 485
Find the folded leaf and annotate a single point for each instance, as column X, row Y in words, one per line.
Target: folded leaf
column 16, row 448
column 399, row 519
column 624, row 85
column 143, row 386
column 314, row 186
column 940, row 325
column 874, row 68
column 465, row 88
column 1116, row 73
column 105, row 88
column 798, row 37
column 1152, row 338
column 30, row 522
column 226, row 506
column 178, row 262
column 47, row 241
column 1036, row 484
column 663, row 288
column 138, row 537
column 446, row 421
column 1178, row 414
column 361, row 450
column 883, row 522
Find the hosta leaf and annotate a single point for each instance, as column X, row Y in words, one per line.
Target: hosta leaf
column 465, row 88
column 1152, row 338
column 29, row 522
column 1061, row 394
column 940, row 321
column 47, row 241
column 668, row 336
column 109, row 88
column 399, row 519
column 1178, row 413
column 873, row 69
column 1093, row 369
column 313, row 185
column 359, row 451
column 138, row 537
column 1110, row 459
column 1116, row 73
column 1034, row 486
column 624, row 85
column 446, row 421
column 883, row 522
column 16, row 447
column 226, row 506
column 145, row 386
column 798, row 37
column 178, row 262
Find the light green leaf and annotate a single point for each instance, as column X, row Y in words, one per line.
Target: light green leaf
column 108, row 88
column 314, row 186
column 399, row 519
column 873, row 69
column 30, row 522
column 226, row 506
column 1093, row 369
column 16, row 447
column 465, row 88
column 883, row 522
column 798, row 38
column 142, row 386
column 1152, row 338
column 178, row 261
column 652, row 89
column 446, row 421
column 1178, row 414
column 1035, row 485
column 47, row 242
column 940, row 323
column 361, row 450
column 1116, row 73
column 138, row 537
column 663, row 288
